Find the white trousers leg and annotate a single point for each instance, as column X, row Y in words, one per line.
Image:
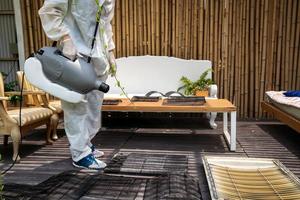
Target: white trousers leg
column 82, row 122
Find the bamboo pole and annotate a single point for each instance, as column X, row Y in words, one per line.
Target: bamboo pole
column 297, row 48
column 145, row 28
column 148, row 5
column 293, row 68
column 229, row 47
column 201, row 32
column 239, row 56
column 158, row 30
column 123, row 19
column 246, row 58
column 252, row 61
column 224, row 50
column 193, row 42
column 219, row 70
column 215, row 42
column 287, row 48
column 279, row 47
column 128, row 47
column 167, row 29
column 162, row 26
column 269, row 49
column 243, row 32
column 283, row 62
column 254, row 45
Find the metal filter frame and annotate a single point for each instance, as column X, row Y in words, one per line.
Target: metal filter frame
column 210, row 163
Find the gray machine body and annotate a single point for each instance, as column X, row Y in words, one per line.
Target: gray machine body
column 78, row 75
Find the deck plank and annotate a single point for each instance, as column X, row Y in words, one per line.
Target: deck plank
column 254, row 139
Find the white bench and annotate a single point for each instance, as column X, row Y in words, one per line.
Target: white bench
column 141, row 74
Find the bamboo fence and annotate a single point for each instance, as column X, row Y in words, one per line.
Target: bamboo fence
column 253, row 44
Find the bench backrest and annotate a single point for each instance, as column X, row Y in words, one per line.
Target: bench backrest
column 141, row 74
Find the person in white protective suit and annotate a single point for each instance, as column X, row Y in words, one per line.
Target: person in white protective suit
column 73, row 22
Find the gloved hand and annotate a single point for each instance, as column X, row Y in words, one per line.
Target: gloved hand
column 112, row 63
column 69, row 49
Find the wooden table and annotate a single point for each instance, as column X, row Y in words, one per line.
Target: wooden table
column 212, row 105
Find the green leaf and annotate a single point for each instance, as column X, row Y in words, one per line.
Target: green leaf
column 191, row 87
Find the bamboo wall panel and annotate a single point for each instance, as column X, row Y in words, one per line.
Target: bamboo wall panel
column 253, row 44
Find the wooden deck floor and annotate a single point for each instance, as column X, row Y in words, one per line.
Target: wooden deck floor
column 190, row 137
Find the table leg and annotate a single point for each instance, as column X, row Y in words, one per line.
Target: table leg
column 233, row 131
column 225, row 121
column 212, row 118
column 230, row 138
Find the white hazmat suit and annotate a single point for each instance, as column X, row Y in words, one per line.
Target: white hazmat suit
column 77, row 20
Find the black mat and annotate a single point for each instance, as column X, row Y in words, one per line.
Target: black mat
column 184, row 101
column 172, row 187
column 111, row 101
column 144, row 99
column 147, row 164
column 77, row 185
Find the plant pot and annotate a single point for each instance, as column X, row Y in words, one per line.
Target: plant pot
column 202, row 93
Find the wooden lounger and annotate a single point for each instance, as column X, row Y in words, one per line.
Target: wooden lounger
column 282, row 116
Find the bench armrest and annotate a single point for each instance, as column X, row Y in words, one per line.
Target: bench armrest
column 213, row 91
column 25, row 93
column 4, row 98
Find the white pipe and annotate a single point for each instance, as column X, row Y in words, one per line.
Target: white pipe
column 20, row 36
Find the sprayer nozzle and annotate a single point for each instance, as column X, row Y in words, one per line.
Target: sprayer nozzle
column 104, row 87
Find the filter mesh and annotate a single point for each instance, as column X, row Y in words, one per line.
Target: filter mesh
column 172, row 186
column 147, row 164
column 84, row 186
column 244, row 182
column 77, row 185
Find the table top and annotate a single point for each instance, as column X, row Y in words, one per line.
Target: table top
column 211, row 105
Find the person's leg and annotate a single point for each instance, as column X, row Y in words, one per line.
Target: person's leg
column 95, row 99
column 77, row 127
column 94, row 114
column 75, row 121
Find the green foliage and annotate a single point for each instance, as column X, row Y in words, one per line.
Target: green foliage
column 113, row 73
column 15, row 98
column 10, row 86
column 190, row 87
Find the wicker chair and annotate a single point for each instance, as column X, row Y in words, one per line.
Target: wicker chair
column 37, row 100
column 31, row 117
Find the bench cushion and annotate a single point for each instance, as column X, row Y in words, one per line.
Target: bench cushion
column 30, row 115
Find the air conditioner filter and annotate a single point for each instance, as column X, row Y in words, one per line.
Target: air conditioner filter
column 250, row 178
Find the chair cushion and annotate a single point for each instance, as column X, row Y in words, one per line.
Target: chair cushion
column 30, row 115
column 279, row 97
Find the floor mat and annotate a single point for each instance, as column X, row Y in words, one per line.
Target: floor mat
column 172, row 187
column 147, row 164
column 77, row 185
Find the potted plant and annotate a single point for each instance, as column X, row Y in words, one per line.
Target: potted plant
column 14, row 99
column 198, row 87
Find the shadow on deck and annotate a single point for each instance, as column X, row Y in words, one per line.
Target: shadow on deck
column 182, row 136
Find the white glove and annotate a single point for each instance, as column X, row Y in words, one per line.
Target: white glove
column 69, row 49
column 112, row 63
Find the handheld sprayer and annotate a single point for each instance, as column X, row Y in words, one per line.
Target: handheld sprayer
column 66, row 79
